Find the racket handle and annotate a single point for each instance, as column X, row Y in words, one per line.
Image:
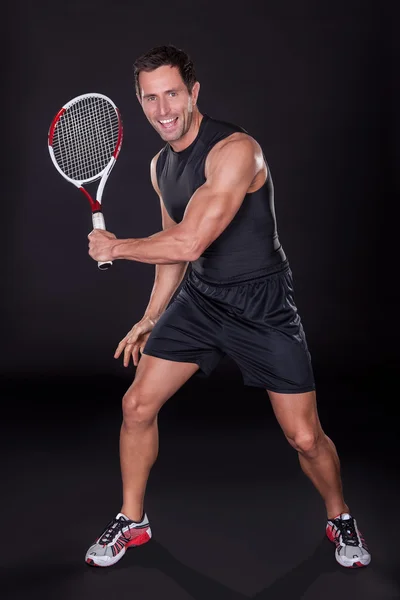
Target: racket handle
column 99, row 223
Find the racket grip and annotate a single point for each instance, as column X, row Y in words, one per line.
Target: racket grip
column 99, row 223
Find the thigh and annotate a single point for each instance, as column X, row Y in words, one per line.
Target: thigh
column 156, row 380
column 296, row 413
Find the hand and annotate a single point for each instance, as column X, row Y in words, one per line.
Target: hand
column 135, row 341
column 100, row 245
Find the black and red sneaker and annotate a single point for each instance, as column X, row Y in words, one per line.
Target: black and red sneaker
column 121, row 533
column 351, row 549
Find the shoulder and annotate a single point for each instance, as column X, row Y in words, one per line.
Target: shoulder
column 236, row 143
column 239, row 148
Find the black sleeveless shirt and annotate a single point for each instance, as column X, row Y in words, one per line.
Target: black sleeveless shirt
column 249, row 246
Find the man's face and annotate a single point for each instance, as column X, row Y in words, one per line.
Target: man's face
column 166, row 102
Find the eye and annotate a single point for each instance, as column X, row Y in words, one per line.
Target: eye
column 151, row 98
column 173, row 94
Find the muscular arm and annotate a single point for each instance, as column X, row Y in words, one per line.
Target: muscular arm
column 230, row 172
column 167, row 276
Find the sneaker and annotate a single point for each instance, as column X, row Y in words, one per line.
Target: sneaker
column 121, row 533
column 351, row 549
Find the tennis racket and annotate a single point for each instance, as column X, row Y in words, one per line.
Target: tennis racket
column 85, row 139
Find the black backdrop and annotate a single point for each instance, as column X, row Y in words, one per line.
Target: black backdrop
column 314, row 82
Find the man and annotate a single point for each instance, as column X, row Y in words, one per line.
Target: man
column 217, row 207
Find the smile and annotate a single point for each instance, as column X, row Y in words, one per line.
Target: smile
column 168, row 123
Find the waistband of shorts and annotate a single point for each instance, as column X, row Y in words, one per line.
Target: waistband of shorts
column 245, row 277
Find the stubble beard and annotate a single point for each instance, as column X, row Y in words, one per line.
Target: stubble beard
column 186, row 121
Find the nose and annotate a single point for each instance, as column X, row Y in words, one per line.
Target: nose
column 164, row 107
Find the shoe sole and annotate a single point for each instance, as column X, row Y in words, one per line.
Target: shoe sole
column 101, row 561
column 348, row 563
column 353, row 565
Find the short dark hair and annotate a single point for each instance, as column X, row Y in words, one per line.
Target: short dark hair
column 166, row 55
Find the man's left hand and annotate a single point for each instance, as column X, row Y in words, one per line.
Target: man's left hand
column 101, row 245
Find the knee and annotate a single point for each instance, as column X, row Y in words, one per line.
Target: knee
column 306, row 442
column 138, row 408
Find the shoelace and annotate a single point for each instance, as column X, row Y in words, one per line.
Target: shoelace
column 348, row 531
column 115, row 526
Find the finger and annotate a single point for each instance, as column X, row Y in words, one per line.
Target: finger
column 125, row 340
column 135, row 354
column 127, row 354
column 119, row 349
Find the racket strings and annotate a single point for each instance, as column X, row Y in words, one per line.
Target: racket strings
column 86, row 137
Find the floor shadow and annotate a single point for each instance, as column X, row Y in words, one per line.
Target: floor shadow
column 291, row 586
column 42, row 581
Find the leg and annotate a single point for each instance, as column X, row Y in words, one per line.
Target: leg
column 297, row 415
column 156, row 380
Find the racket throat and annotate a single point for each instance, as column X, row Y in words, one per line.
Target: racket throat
column 95, row 204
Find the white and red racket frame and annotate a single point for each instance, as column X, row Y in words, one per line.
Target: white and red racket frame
column 97, row 213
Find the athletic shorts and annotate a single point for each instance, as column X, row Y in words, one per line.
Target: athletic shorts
column 255, row 323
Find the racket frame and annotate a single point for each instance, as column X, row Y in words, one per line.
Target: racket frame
column 97, row 213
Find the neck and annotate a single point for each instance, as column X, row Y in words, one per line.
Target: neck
column 190, row 135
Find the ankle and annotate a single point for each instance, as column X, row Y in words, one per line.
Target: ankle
column 337, row 510
column 133, row 514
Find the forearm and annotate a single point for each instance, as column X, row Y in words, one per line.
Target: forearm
column 167, row 247
column 166, row 281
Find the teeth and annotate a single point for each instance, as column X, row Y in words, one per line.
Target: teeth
column 168, row 120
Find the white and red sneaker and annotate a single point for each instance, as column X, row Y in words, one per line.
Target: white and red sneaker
column 351, row 549
column 121, row 533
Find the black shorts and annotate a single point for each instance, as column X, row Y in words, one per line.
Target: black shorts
column 255, row 323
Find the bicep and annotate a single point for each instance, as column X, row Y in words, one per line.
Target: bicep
column 210, row 212
column 214, row 205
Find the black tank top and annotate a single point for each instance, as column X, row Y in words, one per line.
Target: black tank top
column 249, row 246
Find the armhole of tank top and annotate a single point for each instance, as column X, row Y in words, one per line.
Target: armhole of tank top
column 267, row 165
column 159, row 166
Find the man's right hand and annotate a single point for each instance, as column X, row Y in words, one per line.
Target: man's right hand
column 135, row 341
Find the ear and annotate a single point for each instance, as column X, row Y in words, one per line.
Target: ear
column 139, row 99
column 195, row 92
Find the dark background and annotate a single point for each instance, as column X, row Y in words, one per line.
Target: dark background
column 316, row 83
